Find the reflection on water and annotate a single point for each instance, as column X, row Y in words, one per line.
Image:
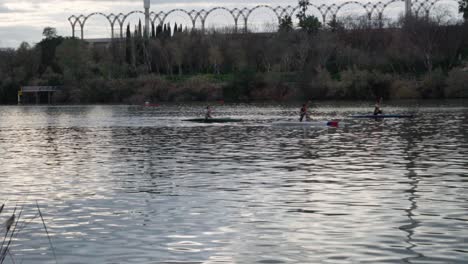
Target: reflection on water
column 413, row 181
column 122, row 184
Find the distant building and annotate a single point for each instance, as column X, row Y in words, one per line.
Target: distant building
column 37, row 94
column 102, row 42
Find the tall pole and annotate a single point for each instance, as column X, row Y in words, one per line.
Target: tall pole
column 147, row 17
column 408, row 7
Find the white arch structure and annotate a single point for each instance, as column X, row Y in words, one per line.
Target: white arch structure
column 326, row 11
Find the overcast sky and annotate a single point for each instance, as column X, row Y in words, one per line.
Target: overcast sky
column 24, row 20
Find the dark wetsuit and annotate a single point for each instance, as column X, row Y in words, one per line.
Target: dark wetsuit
column 303, row 113
column 377, row 110
column 208, row 113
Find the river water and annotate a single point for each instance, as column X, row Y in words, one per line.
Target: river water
column 131, row 184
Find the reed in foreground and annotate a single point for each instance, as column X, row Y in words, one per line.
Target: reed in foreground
column 11, row 228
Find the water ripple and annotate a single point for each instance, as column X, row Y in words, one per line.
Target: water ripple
column 127, row 184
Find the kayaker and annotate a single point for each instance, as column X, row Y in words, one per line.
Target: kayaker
column 208, row 113
column 377, row 109
column 304, row 112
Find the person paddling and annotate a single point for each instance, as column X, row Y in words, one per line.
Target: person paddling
column 304, row 112
column 377, row 109
column 208, row 113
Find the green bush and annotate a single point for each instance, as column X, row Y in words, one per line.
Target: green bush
column 433, row 84
column 95, row 91
column 199, row 88
column 8, row 91
column 404, row 89
column 321, row 86
column 457, row 84
column 363, row 84
column 241, row 86
column 147, row 88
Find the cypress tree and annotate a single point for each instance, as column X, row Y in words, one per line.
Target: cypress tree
column 153, row 32
column 128, row 34
column 175, row 29
column 128, row 46
column 139, row 29
column 169, row 31
column 159, row 31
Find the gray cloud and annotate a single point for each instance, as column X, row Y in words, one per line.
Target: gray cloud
column 13, row 36
column 4, row 9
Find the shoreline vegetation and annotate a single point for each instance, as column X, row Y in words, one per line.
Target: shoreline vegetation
column 353, row 58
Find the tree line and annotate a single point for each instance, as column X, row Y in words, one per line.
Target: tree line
column 351, row 58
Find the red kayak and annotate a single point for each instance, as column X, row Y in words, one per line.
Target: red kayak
column 151, row 105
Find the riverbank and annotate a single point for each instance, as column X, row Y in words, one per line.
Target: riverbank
column 249, row 86
column 412, row 58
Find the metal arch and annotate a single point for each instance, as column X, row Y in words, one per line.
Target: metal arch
column 78, row 19
column 429, row 5
column 332, row 9
column 365, row 6
column 250, row 11
column 378, row 8
column 285, row 11
column 120, row 18
column 97, row 13
column 111, row 22
column 387, row 4
column 230, row 11
column 124, row 18
column 243, row 12
column 73, row 20
column 200, row 14
column 420, row 5
column 194, row 14
column 319, row 8
column 238, row 12
column 114, row 18
column 279, row 10
column 156, row 16
column 189, row 14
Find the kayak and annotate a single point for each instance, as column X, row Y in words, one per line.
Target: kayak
column 214, row 120
column 382, row 116
column 307, row 124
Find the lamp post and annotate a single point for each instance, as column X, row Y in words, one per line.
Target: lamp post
column 147, row 4
column 408, row 7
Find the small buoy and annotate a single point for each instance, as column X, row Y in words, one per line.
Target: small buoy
column 148, row 104
column 333, row 123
